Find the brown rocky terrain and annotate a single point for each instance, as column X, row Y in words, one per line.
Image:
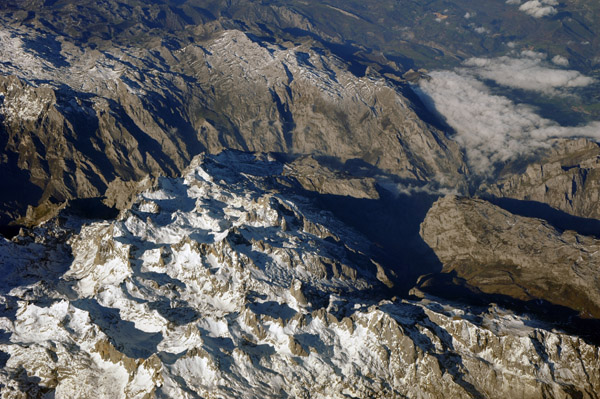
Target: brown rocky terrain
column 75, row 119
column 214, row 284
column 524, row 258
column 567, row 178
column 257, row 199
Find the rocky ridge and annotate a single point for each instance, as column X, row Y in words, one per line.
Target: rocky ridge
column 242, row 277
column 211, row 285
column 568, row 179
column 75, row 118
column 520, row 257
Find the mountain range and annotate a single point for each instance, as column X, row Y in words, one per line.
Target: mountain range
column 210, row 199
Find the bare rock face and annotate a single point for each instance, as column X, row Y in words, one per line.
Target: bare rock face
column 317, row 106
column 121, row 194
column 212, row 285
column 567, row 179
column 262, row 272
column 75, row 118
column 520, row 257
column 315, row 176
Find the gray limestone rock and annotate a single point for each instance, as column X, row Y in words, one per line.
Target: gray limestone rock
column 75, row 119
column 567, row 178
column 524, row 258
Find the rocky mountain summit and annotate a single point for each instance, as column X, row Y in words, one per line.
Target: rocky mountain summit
column 524, row 258
column 213, row 285
column 75, row 118
column 281, row 199
column 567, row 179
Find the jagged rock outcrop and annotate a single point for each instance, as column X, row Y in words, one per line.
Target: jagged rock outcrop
column 76, row 117
column 524, row 258
column 568, row 178
column 215, row 285
column 239, row 276
column 315, row 176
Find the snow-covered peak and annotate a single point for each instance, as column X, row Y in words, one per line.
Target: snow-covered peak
column 234, row 56
column 217, row 284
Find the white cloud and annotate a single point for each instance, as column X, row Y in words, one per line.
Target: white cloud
column 513, row 1
column 491, row 129
column 481, row 30
column 560, row 60
column 530, row 72
column 410, row 189
column 538, row 8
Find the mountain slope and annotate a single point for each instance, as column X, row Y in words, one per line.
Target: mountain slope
column 524, row 258
column 213, row 285
column 262, row 199
column 124, row 112
column 566, row 179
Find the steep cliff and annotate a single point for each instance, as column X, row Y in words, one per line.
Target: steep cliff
column 212, row 285
column 524, row 258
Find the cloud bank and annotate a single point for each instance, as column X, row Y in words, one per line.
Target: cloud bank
column 528, row 72
column 491, row 129
column 398, row 189
column 560, row 60
column 537, row 8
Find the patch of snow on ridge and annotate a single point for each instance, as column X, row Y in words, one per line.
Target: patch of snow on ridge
column 80, row 68
column 226, row 287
